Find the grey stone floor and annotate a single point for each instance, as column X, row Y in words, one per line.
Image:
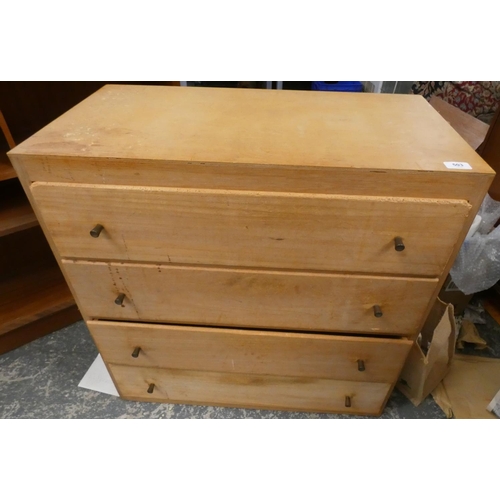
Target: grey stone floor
column 40, row 380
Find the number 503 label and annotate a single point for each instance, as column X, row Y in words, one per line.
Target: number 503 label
column 458, row 165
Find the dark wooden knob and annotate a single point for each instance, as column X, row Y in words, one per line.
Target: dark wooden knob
column 361, row 365
column 398, row 244
column 377, row 311
column 96, row 231
column 151, row 388
column 348, row 401
column 136, row 352
column 119, row 300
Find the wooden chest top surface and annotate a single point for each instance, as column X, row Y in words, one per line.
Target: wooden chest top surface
column 256, row 127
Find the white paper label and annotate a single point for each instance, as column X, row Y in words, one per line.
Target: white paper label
column 459, row 165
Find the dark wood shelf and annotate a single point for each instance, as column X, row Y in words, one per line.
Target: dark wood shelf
column 30, row 296
column 36, row 299
column 16, row 213
column 6, row 169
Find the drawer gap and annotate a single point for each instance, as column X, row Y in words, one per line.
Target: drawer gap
column 277, row 330
column 173, row 265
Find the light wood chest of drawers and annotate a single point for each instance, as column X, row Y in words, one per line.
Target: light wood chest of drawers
column 253, row 248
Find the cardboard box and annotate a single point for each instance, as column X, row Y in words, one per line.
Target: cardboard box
column 450, row 294
column 468, row 389
column 472, row 130
column 428, row 363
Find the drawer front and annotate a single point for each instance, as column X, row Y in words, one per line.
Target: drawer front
column 251, row 352
column 254, row 229
column 253, row 391
column 254, row 299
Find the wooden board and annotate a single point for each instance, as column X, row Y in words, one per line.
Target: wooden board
column 38, row 327
column 255, row 299
column 246, row 228
column 27, row 297
column 30, row 105
column 244, row 351
column 6, row 132
column 257, row 127
column 251, row 391
column 6, row 169
column 294, row 179
column 16, row 213
column 24, row 251
column 6, row 142
column 34, row 298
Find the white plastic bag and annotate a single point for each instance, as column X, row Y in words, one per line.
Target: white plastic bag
column 489, row 213
column 477, row 266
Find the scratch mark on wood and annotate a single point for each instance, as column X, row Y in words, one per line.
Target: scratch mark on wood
column 125, row 245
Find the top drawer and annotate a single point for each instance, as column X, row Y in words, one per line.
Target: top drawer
column 248, row 228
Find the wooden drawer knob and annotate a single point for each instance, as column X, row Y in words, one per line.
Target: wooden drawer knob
column 398, row 244
column 361, row 365
column 136, row 352
column 151, row 388
column 377, row 311
column 96, row 231
column 119, row 300
column 348, row 401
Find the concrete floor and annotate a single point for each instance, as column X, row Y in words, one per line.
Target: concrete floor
column 40, row 380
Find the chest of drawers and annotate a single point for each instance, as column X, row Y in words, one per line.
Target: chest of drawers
column 266, row 249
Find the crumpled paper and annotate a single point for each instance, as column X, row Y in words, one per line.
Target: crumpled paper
column 469, row 334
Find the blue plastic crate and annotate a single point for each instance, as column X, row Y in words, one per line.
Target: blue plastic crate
column 338, row 86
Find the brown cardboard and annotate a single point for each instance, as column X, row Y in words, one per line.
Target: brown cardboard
column 469, row 387
column 472, row 130
column 450, row 294
column 423, row 371
column 469, row 334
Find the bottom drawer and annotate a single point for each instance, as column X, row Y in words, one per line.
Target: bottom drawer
column 260, row 352
column 250, row 391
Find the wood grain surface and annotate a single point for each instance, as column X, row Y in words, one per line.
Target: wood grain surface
column 253, row 391
column 251, row 298
column 250, row 351
column 248, row 228
column 252, row 126
column 256, row 209
column 449, row 184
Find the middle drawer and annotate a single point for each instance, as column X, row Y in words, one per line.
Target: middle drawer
column 250, row 298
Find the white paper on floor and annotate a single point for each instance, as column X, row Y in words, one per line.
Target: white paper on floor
column 98, row 379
